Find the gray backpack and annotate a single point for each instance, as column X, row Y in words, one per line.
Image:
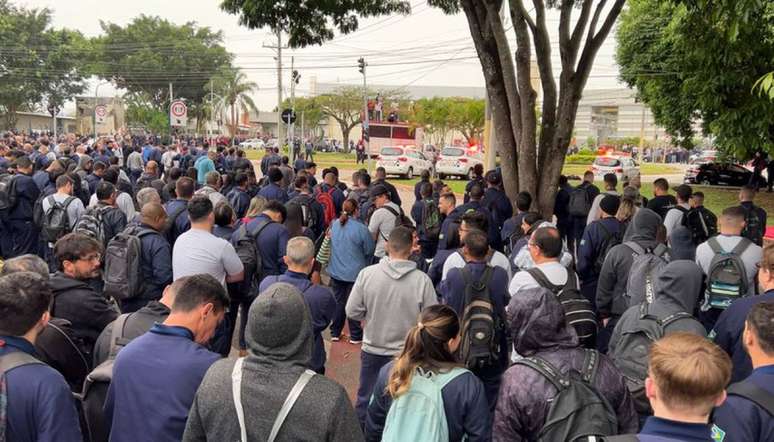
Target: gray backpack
column 727, row 276
column 646, row 265
column 123, row 257
column 630, row 354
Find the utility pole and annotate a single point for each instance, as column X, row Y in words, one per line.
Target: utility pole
column 642, row 133
column 295, row 78
column 366, row 136
column 169, row 109
column 212, row 110
column 279, row 49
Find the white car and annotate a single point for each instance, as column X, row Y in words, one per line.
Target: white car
column 624, row 168
column 253, row 143
column 457, row 161
column 403, row 161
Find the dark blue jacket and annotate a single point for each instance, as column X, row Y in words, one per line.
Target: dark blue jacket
column 758, row 211
column 728, row 329
column 435, row 272
column 446, row 225
column 417, row 186
column 273, row 192
column 239, row 201
column 478, row 180
column 744, row 420
column 156, row 263
column 41, row 406
column 499, row 206
column 589, row 248
column 182, row 223
column 145, row 407
column 464, row 401
column 562, row 207
column 511, row 225
column 27, row 193
column 663, row 430
column 272, row 243
column 41, row 178
column 337, row 196
column 322, row 307
column 299, row 164
column 93, row 181
column 494, row 232
column 319, row 228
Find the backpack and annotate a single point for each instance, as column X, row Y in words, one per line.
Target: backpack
column 56, row 221
column 7, row 191
column 580, row 201
column 727, row 276
column 578, row 411
column 326, row 201
column 122, row 270
column 309, row 215
column 8, row 362
column 631, row 352
column 91, row 224
column 171, row 219
column 247, row 250
column 578, row 311
column 646, row 265
column 610, row 240
column 753, row 228
column 702, row 224
column 431, row 220
column 419, row 414
column 753, row 393
column 479, row 346
column 58, row 347
column 97, row 383
column 400, row 218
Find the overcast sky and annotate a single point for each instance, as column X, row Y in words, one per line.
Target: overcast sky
column 441, row 44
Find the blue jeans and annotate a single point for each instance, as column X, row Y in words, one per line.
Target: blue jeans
column 341, row 290
column 369, row 371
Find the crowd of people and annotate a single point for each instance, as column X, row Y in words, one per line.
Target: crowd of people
column 179, row 292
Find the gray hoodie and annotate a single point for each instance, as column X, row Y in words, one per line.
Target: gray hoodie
column 614, row 275
column 676, row 289
column 389, row 296
column 279, row 340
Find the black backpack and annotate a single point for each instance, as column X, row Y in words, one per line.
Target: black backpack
column 309, row 214
column 727, row 275
column 123, row 272
column 400, row 218
column 7, row 191
column 630, row 354
column 580, row 201
column 702, row 223
column 578, row 412
column 479, row 346
column 753, row 226
column 753, row 393
column 247, row 250
column 56, row 221
column 610, row 240
column 97, row 383
column 577, row 309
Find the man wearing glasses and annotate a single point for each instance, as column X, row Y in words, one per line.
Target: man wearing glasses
column 75, row 299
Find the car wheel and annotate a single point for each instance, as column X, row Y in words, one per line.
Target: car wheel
column 705, row 182
column 410, row 173
column 470, row 174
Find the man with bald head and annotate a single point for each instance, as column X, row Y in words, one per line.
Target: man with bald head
column 155, row 256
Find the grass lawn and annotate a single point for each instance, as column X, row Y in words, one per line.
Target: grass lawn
column 645, row 169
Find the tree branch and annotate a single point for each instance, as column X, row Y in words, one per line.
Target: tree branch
column 593, row 25
column 577, row 33
column 545, row 67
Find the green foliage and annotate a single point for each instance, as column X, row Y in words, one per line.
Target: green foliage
column 37, row 63
column 233, row 88
column 149, row 53
column 312, row 112
column 692, row 62
column 580, row 159
column 765, row 85
column 141, row 112
column 310, row 22
column 438, row 116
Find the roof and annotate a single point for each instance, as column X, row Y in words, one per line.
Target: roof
column 46, row 115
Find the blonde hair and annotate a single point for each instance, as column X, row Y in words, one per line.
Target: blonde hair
column 256, row 206
column 690, row 371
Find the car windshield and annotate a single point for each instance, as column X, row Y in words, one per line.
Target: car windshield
column 607, row 162
column 392, row 151
column 452, row 152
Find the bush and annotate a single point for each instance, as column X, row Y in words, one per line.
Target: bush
column 584, row 159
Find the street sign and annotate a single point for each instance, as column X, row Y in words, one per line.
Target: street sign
column 288, row 116
column 178, row 113
column 100, row 114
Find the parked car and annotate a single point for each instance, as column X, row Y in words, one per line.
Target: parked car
column 624, row 168
column 253, row 143
column 273, row 142
column 713, row 174
column 457, row 161
column 403, row 161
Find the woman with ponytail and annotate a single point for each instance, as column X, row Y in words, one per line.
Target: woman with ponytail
column 352, row 248
column 429, row 352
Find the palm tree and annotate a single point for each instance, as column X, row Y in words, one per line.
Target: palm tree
column 232, row 86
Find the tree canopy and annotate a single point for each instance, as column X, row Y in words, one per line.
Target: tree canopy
column 690, row 65
column 438, row 116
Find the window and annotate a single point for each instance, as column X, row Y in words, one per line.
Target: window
column 402, row 133
column 607, row 162
column 379, row 131
column 452, row 152
column 392, row 151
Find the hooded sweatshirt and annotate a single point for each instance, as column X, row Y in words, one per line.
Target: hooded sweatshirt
column 676, row 289
column 538, row 328
column 611, row 285
column 279, row 339
column 389, row 296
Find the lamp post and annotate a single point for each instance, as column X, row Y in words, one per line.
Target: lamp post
column 96, row 103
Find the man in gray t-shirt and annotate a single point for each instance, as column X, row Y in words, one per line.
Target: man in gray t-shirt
column 383, row 219
column 199, row 251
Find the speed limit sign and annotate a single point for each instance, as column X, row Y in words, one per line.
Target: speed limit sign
column 178, row 113
column 100, row 114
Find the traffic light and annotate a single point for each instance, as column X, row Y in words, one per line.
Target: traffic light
column 296, row 77
column 361, row 65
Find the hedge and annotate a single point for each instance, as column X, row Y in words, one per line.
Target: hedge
column 580, row 159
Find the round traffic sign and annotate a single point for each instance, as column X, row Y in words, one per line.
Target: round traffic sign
column 179, row 109
column 101, row 110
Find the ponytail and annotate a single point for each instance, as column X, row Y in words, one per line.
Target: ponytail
column 348, row 209
column 426, row 346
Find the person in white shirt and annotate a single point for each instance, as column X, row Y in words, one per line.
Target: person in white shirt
column 474, row 221
column 674, row 217
column 383, row 219
column 123, row 201
column 545, row 247
column 611, row 182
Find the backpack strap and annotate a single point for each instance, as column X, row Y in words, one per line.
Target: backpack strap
column 715, row 245
column 546, row 370
column 14, row 359
column 543, row 281
column 444, row 378
column 752, row 392
column 660, row 250
column 117, row 335
column 172, row 219
column 295, row 392
column 262, row 225
column 590, row 366
column 744, row 243
column 236, row 390
column 636, row 248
